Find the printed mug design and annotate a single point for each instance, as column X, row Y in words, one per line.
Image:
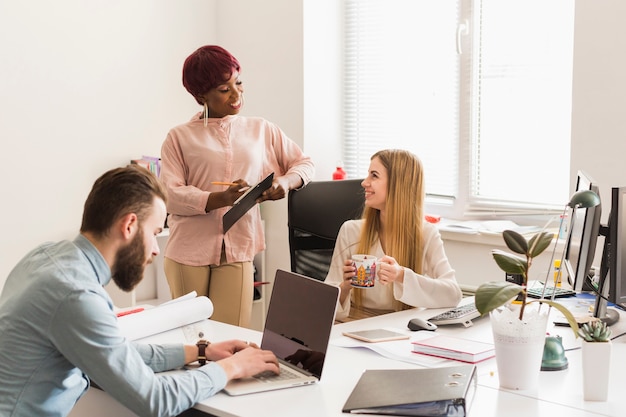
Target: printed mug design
column 365, row 271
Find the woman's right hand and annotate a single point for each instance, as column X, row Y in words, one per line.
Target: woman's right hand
column 349, row 271
column 226, row 198
column 232, row 193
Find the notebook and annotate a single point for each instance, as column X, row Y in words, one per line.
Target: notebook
column 245, row 202
column 297, row 329
column 455, row 348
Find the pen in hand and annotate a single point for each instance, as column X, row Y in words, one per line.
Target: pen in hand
column 230, row 184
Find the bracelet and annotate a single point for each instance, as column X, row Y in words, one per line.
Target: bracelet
column 202, row 345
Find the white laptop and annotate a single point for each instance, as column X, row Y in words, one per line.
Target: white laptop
column 297, row 329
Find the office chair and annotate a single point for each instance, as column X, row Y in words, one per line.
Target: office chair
column 315, row 214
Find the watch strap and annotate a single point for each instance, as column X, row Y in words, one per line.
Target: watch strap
column 202, row 345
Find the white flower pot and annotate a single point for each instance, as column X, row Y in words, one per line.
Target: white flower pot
column 519, row 346
column 596, row 366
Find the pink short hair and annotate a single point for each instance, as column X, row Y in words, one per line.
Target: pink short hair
column 206, row 68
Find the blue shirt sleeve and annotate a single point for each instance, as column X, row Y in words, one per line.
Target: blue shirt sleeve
column 85, row 331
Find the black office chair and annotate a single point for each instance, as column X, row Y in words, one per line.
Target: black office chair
column 315, row 214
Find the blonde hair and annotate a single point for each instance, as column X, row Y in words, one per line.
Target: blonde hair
column 404, row 212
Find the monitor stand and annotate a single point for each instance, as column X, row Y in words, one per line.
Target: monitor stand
column 610, row 316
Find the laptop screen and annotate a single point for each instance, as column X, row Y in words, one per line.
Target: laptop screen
column 299, row 320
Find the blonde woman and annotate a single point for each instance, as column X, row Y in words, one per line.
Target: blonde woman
column 414, row 270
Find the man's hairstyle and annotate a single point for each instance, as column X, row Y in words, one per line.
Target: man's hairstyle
column 118, row 192
column 206, row 68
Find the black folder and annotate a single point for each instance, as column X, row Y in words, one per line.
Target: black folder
column 245, row 202
column 434, row 392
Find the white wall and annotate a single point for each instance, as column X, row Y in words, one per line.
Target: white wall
column 598, row 122
column 85, row 86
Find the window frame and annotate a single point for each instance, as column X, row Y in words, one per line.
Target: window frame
column 465, row 204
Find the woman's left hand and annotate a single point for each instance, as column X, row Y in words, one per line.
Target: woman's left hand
column 278, row 190
column 389, row 270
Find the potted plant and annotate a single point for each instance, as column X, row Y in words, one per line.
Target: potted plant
column 518, row 335
column 596, row 354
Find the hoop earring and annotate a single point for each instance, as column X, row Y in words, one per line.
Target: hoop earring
column 206, row 114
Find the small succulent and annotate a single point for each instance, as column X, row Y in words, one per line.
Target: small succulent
column 595, row 331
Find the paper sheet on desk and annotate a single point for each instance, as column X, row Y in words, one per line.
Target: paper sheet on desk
column 486, row 226
column 399, row 350
column 171, row 315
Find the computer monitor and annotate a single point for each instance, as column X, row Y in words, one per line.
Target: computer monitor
column 612, row 283
column 581, row 246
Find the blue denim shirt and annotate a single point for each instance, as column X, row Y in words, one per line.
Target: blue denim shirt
column 58, row 329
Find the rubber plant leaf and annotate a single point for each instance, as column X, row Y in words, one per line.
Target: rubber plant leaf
column 539, row 242
column 516, row 242
column 492, row 295
column 509, row 263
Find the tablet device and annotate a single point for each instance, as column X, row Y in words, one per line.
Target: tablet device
column 376, row 335
column 245, row 202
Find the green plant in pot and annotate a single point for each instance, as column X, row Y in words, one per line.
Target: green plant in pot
column 519, row 338
column 595, row 331
column 596, row 360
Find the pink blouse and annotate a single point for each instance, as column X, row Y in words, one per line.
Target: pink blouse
column 226, row 149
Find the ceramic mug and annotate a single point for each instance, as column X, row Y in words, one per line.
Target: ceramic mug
column 365, row 271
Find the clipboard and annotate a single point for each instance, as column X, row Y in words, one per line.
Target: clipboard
column 245, row 202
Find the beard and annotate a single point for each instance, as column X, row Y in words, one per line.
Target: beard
column 130, row 263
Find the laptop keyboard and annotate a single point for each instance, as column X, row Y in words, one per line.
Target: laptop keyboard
column 458, row 315
column 269, row 376
column 535, row 292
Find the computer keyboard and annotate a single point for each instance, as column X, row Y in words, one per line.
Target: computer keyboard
column 459, row 315
column 535, row 292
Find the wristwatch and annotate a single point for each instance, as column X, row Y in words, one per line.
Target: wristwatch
column 202, row 345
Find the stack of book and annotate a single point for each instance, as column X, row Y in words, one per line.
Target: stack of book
column 455, row 348
column 151, row 163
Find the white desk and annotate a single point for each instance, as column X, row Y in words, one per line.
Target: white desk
column 559, row 392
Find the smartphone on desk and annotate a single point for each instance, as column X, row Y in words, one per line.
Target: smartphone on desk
column 376, row 335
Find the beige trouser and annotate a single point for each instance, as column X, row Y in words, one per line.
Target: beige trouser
column 229, row 286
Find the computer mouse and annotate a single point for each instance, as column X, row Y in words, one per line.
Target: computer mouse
column 421, row 324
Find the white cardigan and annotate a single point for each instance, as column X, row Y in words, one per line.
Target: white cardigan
column 435, row 288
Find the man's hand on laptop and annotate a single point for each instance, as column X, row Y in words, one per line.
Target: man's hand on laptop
column 221, row 350
column 248, row 362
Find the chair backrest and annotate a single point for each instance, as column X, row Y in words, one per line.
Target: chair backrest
column 315, row 214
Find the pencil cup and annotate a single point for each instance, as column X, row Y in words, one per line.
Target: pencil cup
column 365, row 271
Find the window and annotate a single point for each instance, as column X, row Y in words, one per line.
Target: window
column 479, row 90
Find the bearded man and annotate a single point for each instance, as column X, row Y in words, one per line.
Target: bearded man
column 59, row 330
